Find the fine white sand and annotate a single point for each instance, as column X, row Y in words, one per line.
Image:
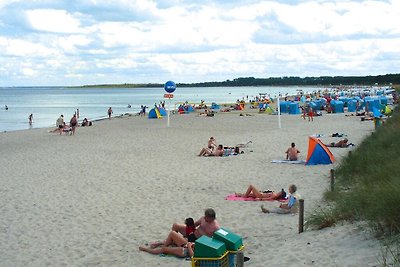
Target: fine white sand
column 93, row 198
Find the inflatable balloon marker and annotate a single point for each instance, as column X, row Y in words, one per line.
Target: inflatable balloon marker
column 169, row 87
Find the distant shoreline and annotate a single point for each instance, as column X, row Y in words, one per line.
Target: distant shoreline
column 332, row 81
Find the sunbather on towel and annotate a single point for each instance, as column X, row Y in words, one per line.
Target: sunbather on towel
column 290, row 207
column 252, row 191
column 341, row 143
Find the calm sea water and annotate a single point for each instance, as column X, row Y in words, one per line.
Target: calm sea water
column 47, row 103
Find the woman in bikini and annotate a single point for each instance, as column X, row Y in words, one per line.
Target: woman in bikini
column 182, row 248
column 252, row 191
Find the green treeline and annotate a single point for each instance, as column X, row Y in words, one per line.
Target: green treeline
column 277, row 81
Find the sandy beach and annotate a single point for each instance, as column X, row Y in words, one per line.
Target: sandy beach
column 93, row 198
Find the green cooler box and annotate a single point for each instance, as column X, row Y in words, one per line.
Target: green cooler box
column 206, row 247
column 232, row 241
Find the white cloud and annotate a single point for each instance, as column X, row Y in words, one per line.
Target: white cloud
column 22, row 48
column 150, row 41
column 70, row 43
column 29, row 72
column 52, row 20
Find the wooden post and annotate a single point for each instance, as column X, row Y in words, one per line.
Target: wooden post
column 239, row 259
column 301, row 215
column 332, row 180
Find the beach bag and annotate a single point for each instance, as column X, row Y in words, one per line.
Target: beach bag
column 283, row 195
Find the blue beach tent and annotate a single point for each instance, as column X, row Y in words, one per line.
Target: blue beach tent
column 155, row 113
column 337, row 106
column 294, row 108
column 214, row 105
column 284, row 106
column 318, row 153
column 352, row 105
column 162, row 111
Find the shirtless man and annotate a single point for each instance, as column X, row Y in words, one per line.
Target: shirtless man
column 207, row 152
column 206, row 225
column 291, row 153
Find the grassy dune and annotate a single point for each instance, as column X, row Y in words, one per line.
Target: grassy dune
column 367, row 188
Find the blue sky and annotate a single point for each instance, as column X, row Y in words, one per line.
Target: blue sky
column 68, row 42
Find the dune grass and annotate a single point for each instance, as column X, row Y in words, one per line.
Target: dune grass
column 367, row 188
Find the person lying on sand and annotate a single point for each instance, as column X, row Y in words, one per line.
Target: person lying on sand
column 341, row 143
column 207, row 152
column 290, row 207
column 175, row 244
column 252, row 191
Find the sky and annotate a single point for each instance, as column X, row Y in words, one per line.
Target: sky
column 81, row 42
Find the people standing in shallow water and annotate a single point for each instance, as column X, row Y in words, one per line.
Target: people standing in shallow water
column 30, row 118
column 110, row 111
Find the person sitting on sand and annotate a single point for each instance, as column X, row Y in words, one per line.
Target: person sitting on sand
column 211, row 143
column 207, row 152
column 252, row 191
column 291, row 152
column 190, row 229
column 206, row 225
column 290, row 207
column 341, row 143
column 207, row 113
column 175, row 244
column 86, row 122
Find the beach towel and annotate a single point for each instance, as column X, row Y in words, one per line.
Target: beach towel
column 289, row 161
column 233, row 197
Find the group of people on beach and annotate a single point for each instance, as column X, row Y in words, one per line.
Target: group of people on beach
column 181, row 239
column 69, row 129
column 290, row 204
column 212, row 149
